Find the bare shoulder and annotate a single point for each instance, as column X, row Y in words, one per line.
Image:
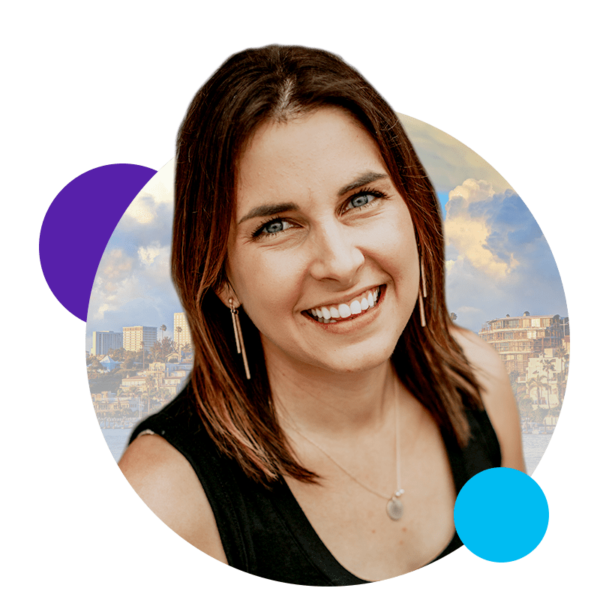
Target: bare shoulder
column 167, row 483
column 482, row 357
column 497, row 395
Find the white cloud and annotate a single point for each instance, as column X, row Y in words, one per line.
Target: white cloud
column 468, row 231
column 147, row 255
column 140, row 212
column 498, row 260
column 115, row 265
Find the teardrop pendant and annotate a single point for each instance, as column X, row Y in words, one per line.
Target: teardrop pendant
column 395, row 509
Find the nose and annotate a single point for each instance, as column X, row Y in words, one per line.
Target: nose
column 337, row 255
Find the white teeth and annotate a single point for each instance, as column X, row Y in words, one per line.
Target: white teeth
column 355, row 307
column 327, row 314
column 345, row 311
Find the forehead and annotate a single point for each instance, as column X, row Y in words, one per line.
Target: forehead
column 315, row 153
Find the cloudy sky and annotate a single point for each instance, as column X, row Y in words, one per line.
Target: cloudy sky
column 497, row 259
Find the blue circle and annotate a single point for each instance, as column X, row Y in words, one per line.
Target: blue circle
column 501, row 515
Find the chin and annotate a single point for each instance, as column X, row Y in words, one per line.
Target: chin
column 357, row 359
column 334, row 355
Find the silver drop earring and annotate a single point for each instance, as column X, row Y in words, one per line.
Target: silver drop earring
column 422, row 294
column 239, row 340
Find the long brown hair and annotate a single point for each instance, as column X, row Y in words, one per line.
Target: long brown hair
column 278, row 82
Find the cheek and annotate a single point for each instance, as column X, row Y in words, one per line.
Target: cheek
column 268, row 287
column 394, row 247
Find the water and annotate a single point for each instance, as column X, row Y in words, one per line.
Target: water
column 117, row 441
column 534, row 446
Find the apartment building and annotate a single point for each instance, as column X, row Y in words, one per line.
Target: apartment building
column 133, row 337
column 103, row 341
column 517, row 339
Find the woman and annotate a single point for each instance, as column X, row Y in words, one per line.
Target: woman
column 334, row 411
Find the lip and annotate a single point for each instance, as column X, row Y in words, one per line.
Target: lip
column 355, row 321
column 344, row 299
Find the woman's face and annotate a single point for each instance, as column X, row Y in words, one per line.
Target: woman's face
column 321, row 230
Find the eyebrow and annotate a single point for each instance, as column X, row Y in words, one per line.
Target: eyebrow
column 267, row 210
column 364, row 179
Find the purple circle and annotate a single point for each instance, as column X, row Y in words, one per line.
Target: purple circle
column 79, row 224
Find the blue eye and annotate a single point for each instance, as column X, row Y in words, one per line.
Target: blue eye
column 364, row 198
column 361, row 200
column 273, row 227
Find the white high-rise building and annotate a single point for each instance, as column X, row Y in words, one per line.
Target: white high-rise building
column 133, row 337
column 103, row 341
column 181, row 331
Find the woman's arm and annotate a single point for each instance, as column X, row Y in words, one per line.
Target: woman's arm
column 498, row 399
column 168, row 485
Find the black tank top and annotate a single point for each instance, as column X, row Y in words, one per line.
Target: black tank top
column 264, row 531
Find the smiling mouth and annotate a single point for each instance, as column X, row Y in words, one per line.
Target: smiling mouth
column 338, row 313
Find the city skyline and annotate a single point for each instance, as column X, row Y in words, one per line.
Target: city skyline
column 131, row 340
column 534, row 349
column 185, row 336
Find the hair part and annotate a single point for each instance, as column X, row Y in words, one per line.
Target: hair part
column 279, row 83
column 285, row 107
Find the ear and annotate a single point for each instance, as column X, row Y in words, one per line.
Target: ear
column 227, row 295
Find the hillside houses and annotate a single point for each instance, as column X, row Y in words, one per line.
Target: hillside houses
column 144, row 392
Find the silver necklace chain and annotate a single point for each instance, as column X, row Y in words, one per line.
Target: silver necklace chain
column 394, row 507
